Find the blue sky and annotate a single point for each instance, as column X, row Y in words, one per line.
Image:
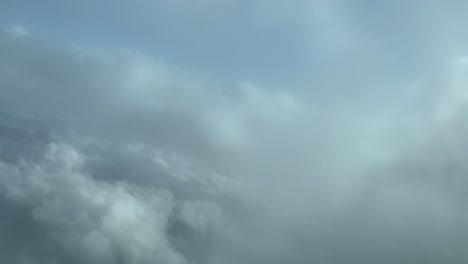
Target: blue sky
column 283, row 42
column 234, row 45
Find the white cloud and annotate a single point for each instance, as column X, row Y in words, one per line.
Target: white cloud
column 90, row 221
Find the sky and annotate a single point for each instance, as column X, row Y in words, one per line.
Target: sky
column 233, row 131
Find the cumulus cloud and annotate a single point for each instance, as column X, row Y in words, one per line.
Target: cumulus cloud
column 112, row 156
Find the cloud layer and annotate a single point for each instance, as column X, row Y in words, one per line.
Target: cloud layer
column 112, row 156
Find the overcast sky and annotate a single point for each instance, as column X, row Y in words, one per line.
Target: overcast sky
column 233, row 131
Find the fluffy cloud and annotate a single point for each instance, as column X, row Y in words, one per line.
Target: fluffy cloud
column 114, row 157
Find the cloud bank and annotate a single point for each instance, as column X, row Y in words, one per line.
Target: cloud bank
column 112, row 156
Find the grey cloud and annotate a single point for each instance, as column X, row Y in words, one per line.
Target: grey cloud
column 113, row 157
column 58, row 210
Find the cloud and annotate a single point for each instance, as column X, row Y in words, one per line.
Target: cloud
column 18, row 31
column 112, row 156
column 85, row 220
